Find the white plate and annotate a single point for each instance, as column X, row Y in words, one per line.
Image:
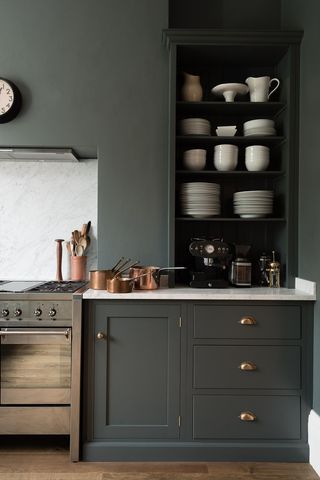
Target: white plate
column 243, row 215
column 252, row 192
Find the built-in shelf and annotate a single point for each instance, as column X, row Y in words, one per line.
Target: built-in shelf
column 228, row 219
column 215, row 140
column 232, row 108
column 233, row 173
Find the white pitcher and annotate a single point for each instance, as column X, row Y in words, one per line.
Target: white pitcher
column 259, row 88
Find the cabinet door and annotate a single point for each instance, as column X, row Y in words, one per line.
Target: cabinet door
column 137, row 369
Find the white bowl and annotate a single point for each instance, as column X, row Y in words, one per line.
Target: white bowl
column 194, row 159
column 225, row 164
column 226, row 131
column 259, row 122
column 226, row 147
column 257, row 163
column 225, row 157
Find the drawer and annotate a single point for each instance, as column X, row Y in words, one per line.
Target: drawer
column 217, row 416
column 223, row 366
column 247, row 321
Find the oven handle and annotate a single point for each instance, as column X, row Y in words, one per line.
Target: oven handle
column 66, row 333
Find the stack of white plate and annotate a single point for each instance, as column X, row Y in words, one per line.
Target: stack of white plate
column 253, row 203
column 195, row 126
column 260, row 126
column 200, row 199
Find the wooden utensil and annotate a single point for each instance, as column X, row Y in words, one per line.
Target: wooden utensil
column 76, row 235
column 59, row 259
column 79, row 250
column 83, row 243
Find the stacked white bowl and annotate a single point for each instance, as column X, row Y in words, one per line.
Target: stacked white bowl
column 253, row 203
column 257, row 158
column 200, row 199
column 194, row 159
column 260, row 126
column 226, row 130
column 225, row 157
column 195, row 126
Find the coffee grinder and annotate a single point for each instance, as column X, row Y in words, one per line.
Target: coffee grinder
column 211, row 262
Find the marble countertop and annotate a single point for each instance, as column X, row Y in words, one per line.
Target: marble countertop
column 304, row 291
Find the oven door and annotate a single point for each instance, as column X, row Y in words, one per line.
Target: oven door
column 35, row 366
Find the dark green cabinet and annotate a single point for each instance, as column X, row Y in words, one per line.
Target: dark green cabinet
column 135, row 359
column 197, row 380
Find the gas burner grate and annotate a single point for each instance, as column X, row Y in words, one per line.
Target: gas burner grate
column 58, row 287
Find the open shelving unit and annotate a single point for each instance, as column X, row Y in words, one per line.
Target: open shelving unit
column 222, row 57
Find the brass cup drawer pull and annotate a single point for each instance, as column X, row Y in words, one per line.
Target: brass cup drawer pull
column 248, row 366
column 101, row 336
column 248, row 321
column 247, row 417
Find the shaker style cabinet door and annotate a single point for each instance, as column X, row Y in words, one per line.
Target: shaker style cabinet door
column 136, row 371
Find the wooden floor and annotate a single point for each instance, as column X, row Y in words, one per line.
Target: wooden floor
column 42, row 462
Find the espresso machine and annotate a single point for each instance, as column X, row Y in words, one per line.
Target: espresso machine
column 211, row 259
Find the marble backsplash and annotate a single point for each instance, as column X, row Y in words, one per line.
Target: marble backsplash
column 39, row 202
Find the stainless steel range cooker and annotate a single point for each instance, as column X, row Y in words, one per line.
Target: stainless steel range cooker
column 40, row 339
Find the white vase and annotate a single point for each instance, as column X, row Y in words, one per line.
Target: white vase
column 191, row 89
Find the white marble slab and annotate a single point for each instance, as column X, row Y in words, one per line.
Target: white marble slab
column 187, row 293
column 39, row 202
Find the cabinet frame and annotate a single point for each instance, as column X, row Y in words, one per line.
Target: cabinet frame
column 284, row 230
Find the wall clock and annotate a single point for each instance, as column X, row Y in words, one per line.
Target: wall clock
column 10, row 100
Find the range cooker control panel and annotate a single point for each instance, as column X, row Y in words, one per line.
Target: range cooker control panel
column 34, row 312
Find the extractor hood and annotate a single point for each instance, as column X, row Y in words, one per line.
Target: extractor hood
column 38, row 154
column 32, row 153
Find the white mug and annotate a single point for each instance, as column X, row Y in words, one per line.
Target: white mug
column 259, row 88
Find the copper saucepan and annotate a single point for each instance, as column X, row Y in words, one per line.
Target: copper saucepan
column 150, row 280
column 98, row 278
column 119, row 284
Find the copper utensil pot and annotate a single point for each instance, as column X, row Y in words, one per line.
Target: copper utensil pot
column 149, row 276
column 98, row 279
column 120, row 284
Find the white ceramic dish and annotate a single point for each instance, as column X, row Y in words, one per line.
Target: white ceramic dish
column 230, row 90
column 226, row 131
column 259, row 122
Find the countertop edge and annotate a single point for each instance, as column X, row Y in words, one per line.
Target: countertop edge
column 305, row 291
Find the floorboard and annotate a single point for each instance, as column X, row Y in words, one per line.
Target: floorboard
column 44, row 462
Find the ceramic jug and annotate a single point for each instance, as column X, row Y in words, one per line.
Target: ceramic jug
column 191, row 89
column 259, row 88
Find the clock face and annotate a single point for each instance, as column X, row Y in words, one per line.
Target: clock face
column 10, row 100
column 6, row 97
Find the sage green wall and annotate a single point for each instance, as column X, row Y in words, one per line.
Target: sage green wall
column 298, row 14
column 95, row 73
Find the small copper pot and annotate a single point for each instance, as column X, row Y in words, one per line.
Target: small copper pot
column 120, row 285
column 148, row 278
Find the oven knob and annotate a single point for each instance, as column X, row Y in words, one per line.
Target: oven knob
column 5, row 312
column 52, row 312
column 37, row 312
column 17, row 312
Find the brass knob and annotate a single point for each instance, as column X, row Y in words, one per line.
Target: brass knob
column 248, row 321
column 248, row 366
column 100, row 336
column 247, row 417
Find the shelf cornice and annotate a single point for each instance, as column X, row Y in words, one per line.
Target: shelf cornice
column 182, row 36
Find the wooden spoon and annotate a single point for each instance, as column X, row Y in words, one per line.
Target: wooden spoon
column 83, row 242
column 76, row 235
column 79, row 250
